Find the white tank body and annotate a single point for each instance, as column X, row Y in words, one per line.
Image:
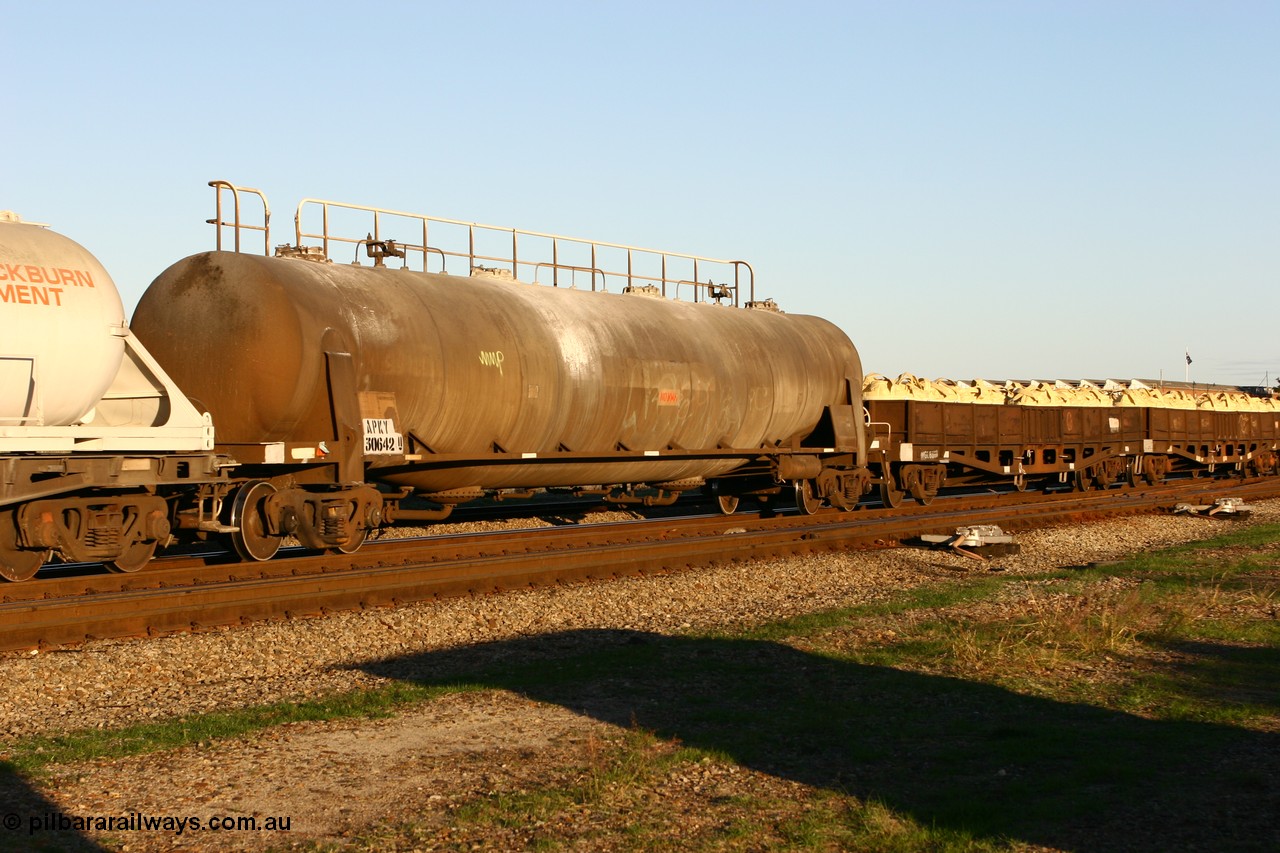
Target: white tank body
column 62, row 327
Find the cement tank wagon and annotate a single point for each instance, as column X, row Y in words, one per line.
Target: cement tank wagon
column 63, row 324
column 103, row 457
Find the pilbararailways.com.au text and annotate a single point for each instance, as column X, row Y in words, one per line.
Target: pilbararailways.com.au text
column 137, row 822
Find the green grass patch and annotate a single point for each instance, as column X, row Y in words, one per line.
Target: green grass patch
column 609, row 802
column 30, row 755
column 927, row 597
column 1181, row 640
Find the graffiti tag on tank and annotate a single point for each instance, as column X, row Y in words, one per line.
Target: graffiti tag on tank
column 493, row 358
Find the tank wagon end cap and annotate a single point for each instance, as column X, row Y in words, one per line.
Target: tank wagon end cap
column 12, row 216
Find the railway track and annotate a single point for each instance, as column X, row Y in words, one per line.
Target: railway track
column 201, row 591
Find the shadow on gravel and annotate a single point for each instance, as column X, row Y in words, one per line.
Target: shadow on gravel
column 947, row 752
column 29, row 822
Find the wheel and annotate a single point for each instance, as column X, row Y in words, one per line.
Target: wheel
column 1081, row 481
column 922, row 495
column 916, row 486
column 135, row 557
column 890, row 496
column 17, row 563
column 248, row 512
column 806, row 501
column 358, row 533
column 728, row 503
column 353, row 544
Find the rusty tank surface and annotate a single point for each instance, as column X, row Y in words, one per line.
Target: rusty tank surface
column 349, row 396
column 479, row 382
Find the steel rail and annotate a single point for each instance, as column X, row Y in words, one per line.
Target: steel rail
column 475, row 564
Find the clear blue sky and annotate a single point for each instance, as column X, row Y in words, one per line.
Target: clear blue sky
column 968, row 189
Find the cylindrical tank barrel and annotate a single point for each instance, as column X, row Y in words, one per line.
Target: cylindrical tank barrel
column 63, row 327
column 478, row 364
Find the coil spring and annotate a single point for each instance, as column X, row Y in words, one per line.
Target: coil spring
column 102, row 537
column 852, row 489
column 334, row 523
column 104, row 530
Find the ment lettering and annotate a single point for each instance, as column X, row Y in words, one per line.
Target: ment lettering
column 30, row 294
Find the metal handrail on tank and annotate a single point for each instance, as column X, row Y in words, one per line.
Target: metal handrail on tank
column 712, row 290
column 554, row 267
column 632, row 277
column 236, row 224
column 370, row 244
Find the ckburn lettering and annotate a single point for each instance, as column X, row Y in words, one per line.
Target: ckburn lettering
column 32, row 274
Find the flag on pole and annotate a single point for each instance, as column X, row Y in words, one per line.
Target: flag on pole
column 1188, row 356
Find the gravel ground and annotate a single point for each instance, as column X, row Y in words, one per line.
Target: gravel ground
column 117, row 682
